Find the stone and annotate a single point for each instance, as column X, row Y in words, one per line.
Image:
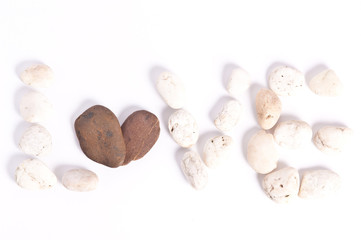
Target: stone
column 292, row 134
column 286, row 81
column 332, row 139
column 183, row 128
column 33, row 174
column 326, row 83
column 194, row 170
column 172, row 90
column 80, row 180
column 319, row 184
column 38, row 76
column 140, row 132
column 268, row 108
column 229, row 116
column 238, row 82
column 262, row 154
column 216, row 150
column 100, row 136
column 35, row 107
column 36, row 141
column 282, row 185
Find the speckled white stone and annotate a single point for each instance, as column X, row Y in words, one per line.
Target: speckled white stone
column 216, row 150
column 80, row 180
column 293, row 134
column 171, row 89
column 326, row 83
column 36, row 141
column 286, row 81
column 238, row 82
column 194, row 170
column 38, row 76
column 229, row 116
column 268, row 108
column 35, row 107
column 332, row 139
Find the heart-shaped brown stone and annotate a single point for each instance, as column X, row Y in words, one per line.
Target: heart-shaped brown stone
column 100, row 136
column 140, row 131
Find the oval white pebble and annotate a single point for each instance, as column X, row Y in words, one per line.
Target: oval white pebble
column 238, row 82
column 80, row 180
column 183, row 128
column 38, row 76
column 36, row 141
column 282, row 185
column 268, row 108
column 229, row 116
column 293, row 134
column 172, row 90
column 194, row 170
column 216, row 150
column 286, row 81
column 332, row 139
column 326, row 83
column 33, row 174
column 35, row 107
column 319, row 184
column 262, row 154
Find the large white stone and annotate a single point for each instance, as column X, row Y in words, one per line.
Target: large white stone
column 332, row 139
column 172, row 90
column 293, row 134
column 80, row 180
column 194, row 170
column 286, row 81
column 229, row 116
column 36, row 141
column 268, row 108
column 35, row 107
column 238, row 82
column 326, row 83
column 216, row 150
column 38, row 76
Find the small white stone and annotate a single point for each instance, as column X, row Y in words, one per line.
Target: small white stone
column 194, row 169
column 282, row 185
column 33, row 174
column 286, row 81
column 293, row 134
column 36, row 141
column 172, row 90
column 229, row 116
column 38, row 76
column 326, row 83
column 319, row 184
column 262, row 152
column 216, row 150
column 238, row 82
column 35, row 107
column 332, row 139
column 268, row 108
column 183, row 128
column 80, row 180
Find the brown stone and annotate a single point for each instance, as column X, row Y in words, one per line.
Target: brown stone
column 141, row 131
column 100, row 136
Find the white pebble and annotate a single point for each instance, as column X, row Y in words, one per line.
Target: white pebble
column 36, row 141
column 33, row 174
column 80, row 180
column 172, row 90
column 183, row 128
column 268, row 108
column 319, row 184
column 293, row 134
column 262, row 152
column 326, row 83
column 38, row 76
column 239, row 82
column 332, row 139
column 286, row 81
column 282, row 185
column 216, row 150
column 194, row 169
column 229, row 116
column 35, row 107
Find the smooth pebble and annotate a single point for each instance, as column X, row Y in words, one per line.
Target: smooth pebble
column 268, row 108
column 35, row 107
column 38, row 76
column 238, row 82
column 229, row 116
column 80, row 180
column 36, row 141
column 332, row 139
column 194, row 170
column 286, row 81
column 292, row 134
column 326, row 83
column 172, row 90
column 216, row 150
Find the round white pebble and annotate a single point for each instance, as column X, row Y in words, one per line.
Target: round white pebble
column 216, row 150
column 36, row 141
column 38, row 76
column 35, row 107
column 293, row 134
column 268, row 108
column 80, row 180
column 172, row 90
column 229, row 116
column 238, row 82
column 286, row 81
column 326, row 83
column 194, row 170
column 332, row 139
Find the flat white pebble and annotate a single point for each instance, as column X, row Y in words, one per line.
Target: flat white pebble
column 326, row 83
column 33, row 174
column 319, row 184
column 171, row 89
column 194, row 170
column 268, row 108
column 238, row 82
column 282, row 185
column 332, row 139
column 183, row 128
column 35, row 107
column 38, row 76
column 293, row 134
column 36, row 141
column 286, row 81
column 80, row 180
column 229, row 116
column 262, row 154
column 216, row 150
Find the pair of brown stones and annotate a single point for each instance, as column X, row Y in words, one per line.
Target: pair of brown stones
column 104, row 141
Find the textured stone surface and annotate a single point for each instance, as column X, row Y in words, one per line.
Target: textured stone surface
column 80, row 180
column 36, row 141
column 216, row 150
column 293, row 134
column 35, row 107
column 326, row 83
column 238, row 82
column 171, row 89
column 194, row 170
column 38, row 76
column 229, row 116
column 268, row 108
column 286, row 81
column 332, row 139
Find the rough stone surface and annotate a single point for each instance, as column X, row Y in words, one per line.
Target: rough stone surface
column 238, row 82
column 216, row 150
column 36, row 141
column 35, row 107
column 100, row 136
column 326, row 83
column 293, row 134
column 332, row 139
column 268, row 108
column 171, row 89
column 38, row 76
column 140, row 131
column 286, row 81
column 80, row 180
column 194, row 170
column 229, row 116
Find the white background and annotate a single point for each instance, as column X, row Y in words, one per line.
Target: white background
column 110, row 53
